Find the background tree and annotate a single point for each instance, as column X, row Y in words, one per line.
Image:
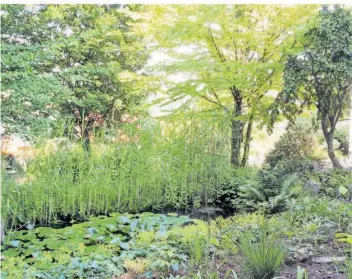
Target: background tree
column 321, row 75
column 97, row 51
column 30, row 91
column 88, row 53
column 228, row 57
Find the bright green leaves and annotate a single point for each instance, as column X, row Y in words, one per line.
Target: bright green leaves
column 225, row 57
column 241, row 46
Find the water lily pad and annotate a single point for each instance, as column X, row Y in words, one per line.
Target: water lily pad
column 77, row 226
column 54, row 245
column 111, row 227
column 123, row 220
column 31, row 250
column 15, row 243
column 30, row 236
column 172, row 214
column 115, row 214
column 146, row 214
column 115, row 240
column 30, row 260
column 134, row 224
column 18, row 234
column 92, row 231
column 43, row 231
column 124, row 245
column 11, row 252
column 90, row 249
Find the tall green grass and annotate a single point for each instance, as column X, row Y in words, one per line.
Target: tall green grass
column 179, row 164
column 262, row 259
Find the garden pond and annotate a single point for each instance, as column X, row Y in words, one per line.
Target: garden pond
column 102, row 244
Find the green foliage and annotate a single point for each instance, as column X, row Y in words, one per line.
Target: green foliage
column 320, row 75
column 349, row 268
column 166, row 244
column 235, row 55
column 346, row 238
column 342, row 137
column 270, row 195
column 334, row 183
column 262, row 259
column 76, row 60
column 248, row 189
column 29, row 91
column 93, row 249
column 229, row 191
column 301, row 273
column 294, row 151
column 163, row 168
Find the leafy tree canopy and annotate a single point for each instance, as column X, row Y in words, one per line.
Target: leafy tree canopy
column 229, row 56
column 78, row 60
column 320, row 76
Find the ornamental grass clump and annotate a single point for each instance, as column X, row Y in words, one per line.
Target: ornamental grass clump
column 264, row 257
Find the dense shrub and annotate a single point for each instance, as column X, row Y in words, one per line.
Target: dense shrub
column 252, row 189
column 269, row 189
column 229, row 192
column 294, row 151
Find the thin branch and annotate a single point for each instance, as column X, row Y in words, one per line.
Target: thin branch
column 216, row 47
column 264, row 81
column 212, row 101
column 217, row 97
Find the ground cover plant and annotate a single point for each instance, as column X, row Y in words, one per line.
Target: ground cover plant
column 176, row 142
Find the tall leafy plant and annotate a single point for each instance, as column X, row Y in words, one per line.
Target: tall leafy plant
column 155, row 168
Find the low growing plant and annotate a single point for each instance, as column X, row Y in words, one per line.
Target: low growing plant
column 263, row 258
column 301, row 273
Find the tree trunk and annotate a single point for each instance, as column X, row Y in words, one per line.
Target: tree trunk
column 86, row 139
column 2, row 231
column 237, row 126
column 328, row 135
column 247, row 142
column 350, row 138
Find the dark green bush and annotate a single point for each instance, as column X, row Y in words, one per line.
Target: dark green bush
column 249, row 189
column 294, row 151
column 229, row 192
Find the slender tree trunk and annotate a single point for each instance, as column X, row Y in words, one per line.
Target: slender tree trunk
column 350, row 138
column 247, row 142
column 2, row 231
column 237, row 127
column 86, row 140
column 330, row 143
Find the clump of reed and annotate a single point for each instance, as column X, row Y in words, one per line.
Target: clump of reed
column 176, row 165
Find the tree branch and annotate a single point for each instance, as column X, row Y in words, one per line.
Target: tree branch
column 222, row 59
column 214, row 102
